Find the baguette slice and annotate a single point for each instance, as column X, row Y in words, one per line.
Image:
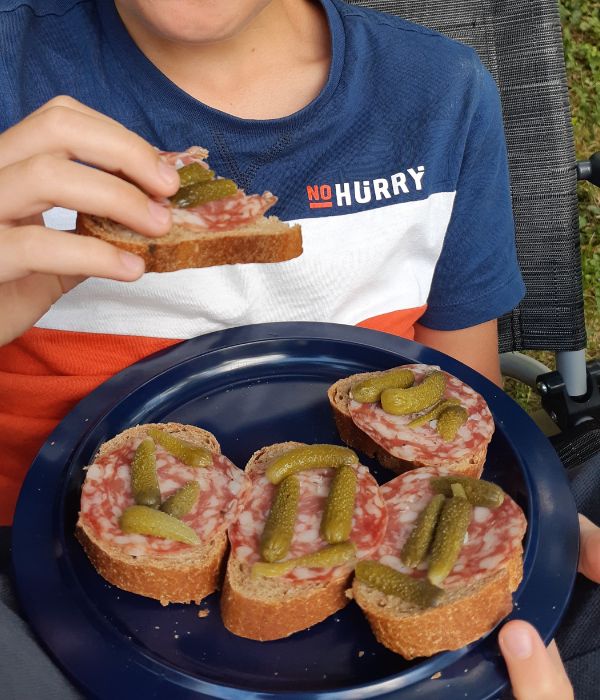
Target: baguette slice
column 266, row 240
column 181, row 577
column 339, row 399
column 471, row 605
column 272, row 608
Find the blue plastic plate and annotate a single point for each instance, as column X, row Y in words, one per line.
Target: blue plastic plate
column 251, row 387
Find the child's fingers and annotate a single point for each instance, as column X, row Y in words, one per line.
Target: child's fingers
column 34, row 249
column 589, row 554
column 536, row 673
column 44, row 181
column 78, row 133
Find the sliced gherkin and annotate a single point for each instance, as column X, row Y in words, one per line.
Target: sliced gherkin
column 450, row 421
column 478, row 492
column 299, row 459
column 449, row 537
column 417, row 545
column 369, row 390
column 182, row 501
column 192, row 455
column 418, row 592
column 331, row 555
column 144, row 480
column 147, row 521
column 279, row 528
column 401, row 402
column 336, row 523
column 433, row 414
column 193, row 173
column 203, row 192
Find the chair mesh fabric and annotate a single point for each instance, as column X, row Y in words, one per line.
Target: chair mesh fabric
column 520, row 43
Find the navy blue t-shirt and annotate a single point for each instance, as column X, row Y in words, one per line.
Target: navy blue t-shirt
column 396, row 172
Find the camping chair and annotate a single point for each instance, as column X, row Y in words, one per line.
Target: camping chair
column 521, row 45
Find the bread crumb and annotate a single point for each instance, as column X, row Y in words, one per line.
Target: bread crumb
column 349, row 594
column 203, row 613
column 361, row 653
column 436, row 676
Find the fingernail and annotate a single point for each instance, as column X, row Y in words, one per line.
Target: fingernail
column 168, row 173
column 517, row 641
column 158, row 212
column 132, row 262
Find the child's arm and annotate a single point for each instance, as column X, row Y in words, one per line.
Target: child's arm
column 44, row 162
column 476, row 346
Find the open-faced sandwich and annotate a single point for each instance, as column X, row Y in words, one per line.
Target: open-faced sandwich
column 311, row 513
column 214, row 223
column 155, row 507
column 445, row 572
column 413, row 416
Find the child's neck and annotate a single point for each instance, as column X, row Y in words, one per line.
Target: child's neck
column 272, row 68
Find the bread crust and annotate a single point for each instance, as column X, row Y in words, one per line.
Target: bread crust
column 458, row 619
column 180, row 249
column 170, row 579
column 353, row 436
column 288, row 606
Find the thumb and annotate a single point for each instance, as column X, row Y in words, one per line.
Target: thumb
column 536, row 673
column 589, row 553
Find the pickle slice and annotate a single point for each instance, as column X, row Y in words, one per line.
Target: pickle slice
column 433, row 414
column 401, row 402
column 203, row 192
column 336, row 523
column 449, row 537
column 194, row 173
column 144, row 480
column 331, row 555
column 147, row 521
column 299, row 459
column 192, row 455
column 478, row 492
column 418, row 592
column 279, row 528
column 450, row 421
column 418, row 543
column 369, row 390
column 182, row 501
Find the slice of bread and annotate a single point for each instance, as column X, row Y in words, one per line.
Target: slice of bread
column 460, row 616
column 266, row 240
column 181, row 577
column 339, row 399
column 273, row 608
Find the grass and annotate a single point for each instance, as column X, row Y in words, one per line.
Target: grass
column 581, row 35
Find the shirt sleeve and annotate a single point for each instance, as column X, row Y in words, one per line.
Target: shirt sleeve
column 477, row 277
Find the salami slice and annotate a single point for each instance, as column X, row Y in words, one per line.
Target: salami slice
column 492, row 538
column 107, row 493
column 368, row 522
column 223, row 214
column 423, row 444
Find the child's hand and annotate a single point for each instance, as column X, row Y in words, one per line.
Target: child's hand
column 537, row 673
column 39, row 170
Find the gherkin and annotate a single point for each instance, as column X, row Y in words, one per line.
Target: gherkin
column 449, row 537
column 279, row 528
column 147, row 521
column 418, row 592
column 369, row 390
column 182, row 501
column 478, row 492
column 450, row 421
column 299, row 459
column 433, row 414
column 194, row 173
column 192, row 455
column 203, row 192
column 336, row 523
column 402, row 402
column 331, row 555
column 417, row 545
column 144, row 480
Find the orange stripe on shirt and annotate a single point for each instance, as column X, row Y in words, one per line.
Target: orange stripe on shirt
column 396, row 322
column 43, row 375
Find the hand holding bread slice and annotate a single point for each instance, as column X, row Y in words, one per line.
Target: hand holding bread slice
column 213, row 223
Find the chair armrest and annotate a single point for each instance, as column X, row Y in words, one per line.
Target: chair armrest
column 590, row 169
